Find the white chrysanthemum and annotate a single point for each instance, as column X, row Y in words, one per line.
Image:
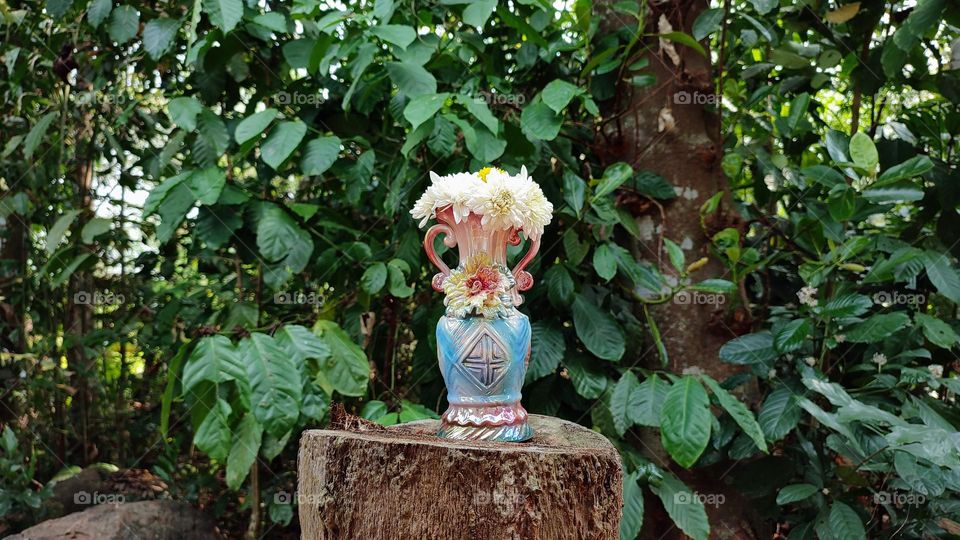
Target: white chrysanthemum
column 498, row 202
column 455, row 191
column 425, row 206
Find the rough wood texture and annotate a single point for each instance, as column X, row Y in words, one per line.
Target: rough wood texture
column 404, row 482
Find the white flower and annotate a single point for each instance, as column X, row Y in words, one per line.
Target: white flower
column 936, row 370
column 807, row 296
column 498, row 202
column 810, row 361
column 840, row 338
column 879, row 359
column 772, row 373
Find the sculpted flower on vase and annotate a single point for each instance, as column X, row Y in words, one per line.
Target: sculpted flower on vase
column 483, row 341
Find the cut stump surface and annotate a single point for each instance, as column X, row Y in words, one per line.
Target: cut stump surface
column 405, row 483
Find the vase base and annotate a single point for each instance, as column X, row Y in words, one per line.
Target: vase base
column 509, row 433
column 489, row 422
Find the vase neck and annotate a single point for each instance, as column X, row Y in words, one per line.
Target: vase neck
column 473, row 238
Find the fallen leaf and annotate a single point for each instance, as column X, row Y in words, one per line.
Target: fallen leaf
column 843, row 14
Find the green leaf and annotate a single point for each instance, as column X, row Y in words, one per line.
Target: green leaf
column 558, row 93
column 98, row 11
column 632, row 520
column 942, row 274
column 224, row 14
column 539, row 122
column 587, row 380
column 37, row 133
column 844, row 522
column 560, row 286
column 214, row 360
column 739, row 412
column 863, row 152
column 478, row 108
column 478, row 12
column 207, row 184
column 397, row 269
column 243, row 453
column 685, row 39
column 605, row 262
column 347, row 369
column 646, row 401
column 124, row 24
column 764, row 6
column 174, row 208
column 275, row 386
column 94, row 228
column 281, row 240
column 173, row 375
column 792, row 335
column 779, row 414
column 715, row 285
column 749, row 349
column 281, row 142
column 892, row 194
column 938, row 332
column 685, row 421
column 183, row 112
column 58, row 230
column 850, row 305
column 877, row 328
column 546, row 350
column 412, row 79
column 598, row 331
column 683, row 506
column 795, row 492
column 653, row 185
column 159, row 35
column 422, row 108
column 374, row 278
column 319, row 155
column 213, row 436
column 707, row 23
column 397, row 34
column 911, row 168
column 613, row 177
column 619, row 403
column 675, row 254
column 253, row 125
column 301, row 344
column 573, row 190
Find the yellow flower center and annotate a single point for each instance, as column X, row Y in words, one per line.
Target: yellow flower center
column 487, row 170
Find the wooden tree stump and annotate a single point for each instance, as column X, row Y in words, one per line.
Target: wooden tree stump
column 405, row 483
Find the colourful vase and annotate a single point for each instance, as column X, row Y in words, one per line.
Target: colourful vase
column 483, row 342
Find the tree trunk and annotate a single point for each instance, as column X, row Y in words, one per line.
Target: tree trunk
column 672, row 128
column 404, row 482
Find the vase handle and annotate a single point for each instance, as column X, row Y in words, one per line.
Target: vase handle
column 450, row 241
column 524, row 278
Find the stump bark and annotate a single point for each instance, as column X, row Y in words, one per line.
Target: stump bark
column 404, row 482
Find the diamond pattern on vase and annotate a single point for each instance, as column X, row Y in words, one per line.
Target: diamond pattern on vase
column 485, row 359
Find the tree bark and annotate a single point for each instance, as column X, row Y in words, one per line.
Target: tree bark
column 404, row 482
column 672, row 128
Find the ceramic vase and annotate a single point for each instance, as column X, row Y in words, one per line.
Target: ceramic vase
column 483, row 357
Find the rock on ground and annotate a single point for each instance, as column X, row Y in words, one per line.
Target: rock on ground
column 144, row 520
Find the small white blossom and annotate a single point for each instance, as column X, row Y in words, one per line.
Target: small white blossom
column 810, row 361
column 825, row 491
column 771, row 374
column 936, row 370
column 879, row 359
column 807, row 296
column 840, row 338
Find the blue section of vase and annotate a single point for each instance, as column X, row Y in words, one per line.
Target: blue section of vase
column 483, row 361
